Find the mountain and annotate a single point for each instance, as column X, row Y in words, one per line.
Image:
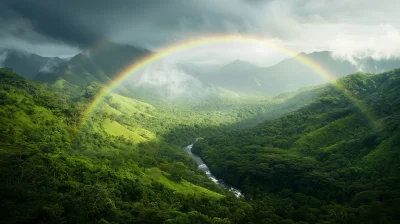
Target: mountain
column 236, row 76
column 99, row 64
column 102, row 63
column 121, row 163
column 328, row 157
column 236, row 66
column 200, row 72
column 325, row 162
column 28, row 64
column 290, row 74
column 187, row 80
column 57, row 161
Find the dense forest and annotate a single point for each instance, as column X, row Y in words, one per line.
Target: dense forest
column 325, row 163
column 316, row 159
column 53, row 172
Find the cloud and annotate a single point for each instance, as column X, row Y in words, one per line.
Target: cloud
column 165, row 79
column 46, row 49
column 51, row 64
column 332, row 25
column 3, row 57
column 305, row 25
column 18, row 33
column 83, row 23
column 55, row 21
column 382, row 44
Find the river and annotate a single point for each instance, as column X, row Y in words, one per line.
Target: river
column 204, row 167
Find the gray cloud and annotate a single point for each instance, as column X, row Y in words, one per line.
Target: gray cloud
column 165, row 79
column 61, row 27
column 3, row 57
column 55, row 20
column 83, row 23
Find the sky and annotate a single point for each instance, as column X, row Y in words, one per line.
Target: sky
column 350, row 28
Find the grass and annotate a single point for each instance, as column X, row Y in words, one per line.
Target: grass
column 130, row 106
column 116, row 129
column 111, row 110
column 183, row 186
column 62, row 84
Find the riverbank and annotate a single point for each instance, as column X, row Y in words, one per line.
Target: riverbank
column 204, row 167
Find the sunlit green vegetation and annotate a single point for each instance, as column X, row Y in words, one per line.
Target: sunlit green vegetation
column 53, row 172
column 123, row 165
column 324, row 163
column 316, row 158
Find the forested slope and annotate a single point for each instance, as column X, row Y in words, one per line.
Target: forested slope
column 325, row 163
column 123, row 163
column 54, row 172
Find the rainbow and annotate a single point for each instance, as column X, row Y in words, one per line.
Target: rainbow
column 204, row 41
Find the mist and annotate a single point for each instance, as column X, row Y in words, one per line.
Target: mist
column 3, row 57
column 166, row 79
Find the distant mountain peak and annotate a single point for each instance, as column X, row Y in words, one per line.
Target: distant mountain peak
column 240, row 65
column 27, row 64
column 18, row 52
column 240, row 61
column 111, row 46
column 315, row 53
column 301, row 54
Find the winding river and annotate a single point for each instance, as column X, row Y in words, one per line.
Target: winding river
column 204, row 167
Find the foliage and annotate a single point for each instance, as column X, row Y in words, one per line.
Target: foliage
column 317, row 158
column 55, row 171
column 327, row 162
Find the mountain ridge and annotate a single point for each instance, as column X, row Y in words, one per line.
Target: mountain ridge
column 102, row 63
column 28, row 64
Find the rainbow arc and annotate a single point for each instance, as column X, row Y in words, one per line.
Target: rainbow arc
column 173, row 49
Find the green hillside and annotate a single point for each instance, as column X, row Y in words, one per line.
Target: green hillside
column 324, row 163
column 53, row 173
column 316, row 158
column 123, row 163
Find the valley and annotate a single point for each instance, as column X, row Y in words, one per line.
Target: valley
column 87, row 140
column 199, row 112
column 311, row 150
column 204, row 167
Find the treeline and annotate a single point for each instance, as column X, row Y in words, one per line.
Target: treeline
column 332, row 161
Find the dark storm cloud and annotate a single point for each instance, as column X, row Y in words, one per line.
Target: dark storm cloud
column 32, row 24
column 84, row 22
column 56, row 20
